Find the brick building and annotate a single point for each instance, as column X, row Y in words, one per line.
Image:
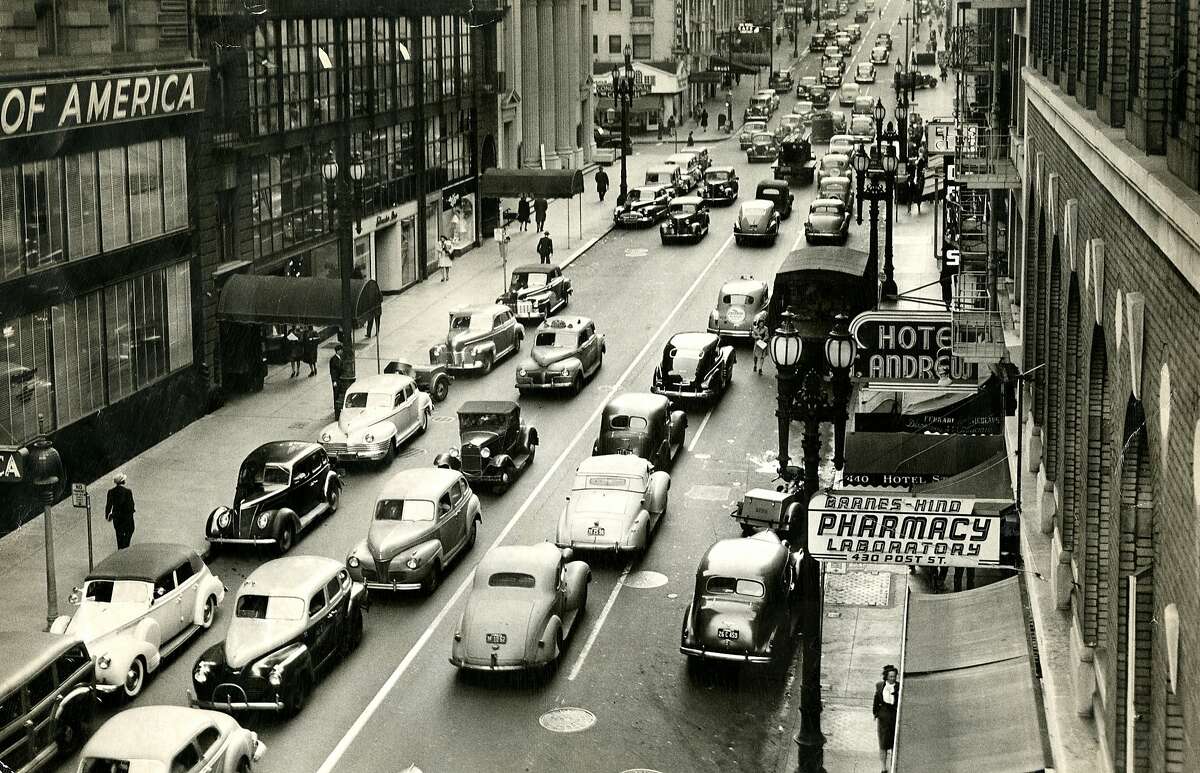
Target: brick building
column 1110, row 295
column 99, row 287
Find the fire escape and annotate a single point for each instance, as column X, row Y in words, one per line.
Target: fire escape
column 975, row 225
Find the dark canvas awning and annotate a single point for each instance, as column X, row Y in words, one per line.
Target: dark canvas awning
column 974, row 413
column 706, row 76
column 287, row 300
column 963, row 651
column 539, row 183
column 721, row 63
column 905, row 459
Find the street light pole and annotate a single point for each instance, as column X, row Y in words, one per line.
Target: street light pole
column 623, row 92
column 876, row 175
column 46, row 473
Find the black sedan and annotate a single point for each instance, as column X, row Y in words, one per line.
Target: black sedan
column 720, row 185
column 496, row 445
column 694, row 366
column 686, row 221
column 644, row 206
column 828, row 221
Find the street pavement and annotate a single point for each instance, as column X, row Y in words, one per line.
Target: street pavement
column 396, row 700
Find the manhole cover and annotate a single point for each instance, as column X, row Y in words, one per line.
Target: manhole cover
column 636, row 252
column 567, row 720
column 411, row 453
column 645, row 579
column 443, row 418
column 709, row 493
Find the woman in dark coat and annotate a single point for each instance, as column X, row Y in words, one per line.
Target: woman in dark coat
column 887, row 697
column 310, row 341
column 523, row 213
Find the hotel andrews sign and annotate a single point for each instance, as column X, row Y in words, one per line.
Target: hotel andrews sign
column 40, row 107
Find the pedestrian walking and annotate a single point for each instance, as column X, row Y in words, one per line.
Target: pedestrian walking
column 118, row 508
column 704, row 120
column 691, row 141
column 295, row 349
column 887, row 697
column 445, row 257
column 374, row 319
column 309, row 342
column 335, row 379
column 545, row 248
column 540, row 206
column 601, row 183
column 523, row 213
column 760, row 334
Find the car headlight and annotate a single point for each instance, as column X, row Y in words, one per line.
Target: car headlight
column 326, row 437
column 412, row 562
column 453, row 452
column 352, row 562
column 521, row 372
column 565, row 372
column 368, row 438
column 275, row 677
column 103, row 662
column 223, row 519
column 201, row 675
column 485, row 453
column 264, row 520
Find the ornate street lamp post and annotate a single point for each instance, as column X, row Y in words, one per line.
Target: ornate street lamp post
column 344, row 201
column 813, row 387
column 623, row 93
column 45, row 470
column 876, row 177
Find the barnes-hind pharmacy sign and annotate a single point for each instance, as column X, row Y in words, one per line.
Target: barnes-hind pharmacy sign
column 41, row 107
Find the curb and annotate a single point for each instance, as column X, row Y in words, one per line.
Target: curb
column 586, row 246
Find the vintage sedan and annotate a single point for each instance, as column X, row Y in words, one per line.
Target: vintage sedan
column 745, row 603
column 804, row 109
column 423, row 520
column 864, row 72
column 781, row 81
column 833, row 165
column 138, row 606
column 817, row 43
column 747, row 132
column 431, row 379
column 686, row 221
column 842, row 143
column 832, row 187
column 884, row 39
column 832, row 57
column 171, row 739
column 478, row 338
column 864, row 104
column 379, row 413
column 643, row 425
column 46, row 682
column 283, row 488
column 770, row 96
column 759, row 109
column 738, row 303
column 720, row 185
column 496, row 446
column 854, row 31
column 694, row 366
column 522, row 608
column 828, row 221
column 294, row 617
column 847, row 94
column 536, row 291
column 880, row 55
column 616, row 503
column 792, row 122
column 763, row 147
column 757, row 221
column 690, row 165
column 819, row 96
column 803, row 85
column 778, row 193
column 862, row 128
column 566, row 352
column 831, row 76
column 644, row 206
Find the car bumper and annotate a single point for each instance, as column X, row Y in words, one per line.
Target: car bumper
column 401, row 579
column 864, row 80
column 552, row 383
column 726, row 332
column 473, row 664
column 764, row 236
column 349, row 452
column 391, row 585
column 490, row 475
column 198, row 703
column 607, row 546
column 634, row 222
column 815, row 237
column 683, row 238
column 242, row 540
column 684, row 394
column 728, row 657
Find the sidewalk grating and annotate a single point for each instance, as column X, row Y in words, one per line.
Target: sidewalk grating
column 859, row 589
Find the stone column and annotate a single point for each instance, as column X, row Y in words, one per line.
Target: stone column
column 564, row 80
column 529, row 86
column 575, row 54
column 587, row 103
column 544, row 39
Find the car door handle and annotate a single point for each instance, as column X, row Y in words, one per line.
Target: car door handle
column 331, row 615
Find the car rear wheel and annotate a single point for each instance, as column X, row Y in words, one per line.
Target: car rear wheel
column 70, row 732
column 210, row 612
column 424, row 422
column 335, row 497
column 472, row 534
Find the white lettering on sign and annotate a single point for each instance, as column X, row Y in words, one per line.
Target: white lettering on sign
column 10, row 468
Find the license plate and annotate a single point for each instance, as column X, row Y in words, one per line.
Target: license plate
column 497, row 638
column 728, row 633
column 595, row 531
column 524, row 307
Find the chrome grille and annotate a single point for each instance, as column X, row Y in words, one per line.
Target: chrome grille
column 471, row 461
column 524, row 308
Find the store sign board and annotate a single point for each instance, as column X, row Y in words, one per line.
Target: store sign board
column 679, row 26
column 12, row 465
column 747, row 28
column 944, row 137
column 44, row 106
column 908, row 530
column 910, row 349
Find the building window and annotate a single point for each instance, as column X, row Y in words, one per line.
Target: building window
column 295, row 79
column 383, row 40
column 614, row 44
column 643, row 9
column 595, row 5
column 116, row 24
column 1102, row 55
column 114, row 212
column 12, row 253
column 324, row 78
column 1134, row 52
column 1179, row 69
column 78, row 329
column 405, row 72
column 136, row 330
column 174, row 184
column 47, row 26
column 362, row 101
column 83, row 212
column 595, row 44
column 263, row 71
column 614, row 5
column 42, row 209
column 641, row 46
column 289, row 202
column 145, row 191
column 27, row 388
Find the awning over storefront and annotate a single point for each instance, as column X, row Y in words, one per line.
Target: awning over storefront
column 905, row 459
column 968, row 700
column 990, row 479
column 287, row 300
column 706, row 76
column 539, row 183
column 958, row 413
column 723, row 64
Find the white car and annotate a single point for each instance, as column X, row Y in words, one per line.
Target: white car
column 864, row 72
column 769, row 94
column 379, row 414
column 842, row 143
column 138, row 606
column 171, row 739
column 616, row 502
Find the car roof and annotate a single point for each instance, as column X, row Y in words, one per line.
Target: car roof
column 124, row 735
column 839, row 157
column 655, row 189
column 838, row 179
column 380, row 382
column 770, row 184
column 861, row 65
column 291, row 576
column 284, row 451
column 757, row 205
column 484, row 308
column 742, row 287
column 28, row 652
column 615, row 464
column 683, row 155
column 540, row 560
column 828, row 203
column 636, row 404
column 750, row 125
column 845, row 137
column 426, row 483
column 692, row 341
column 662, row 168
column 535, row 268
column 715, row 168
column 687, row 200
column 756, row 557
column 764, row 133
column 565, row 323
column 143, row 561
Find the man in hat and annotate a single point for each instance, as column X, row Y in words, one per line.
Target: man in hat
column 335, row 376
column 118, row 508
column 545, row 247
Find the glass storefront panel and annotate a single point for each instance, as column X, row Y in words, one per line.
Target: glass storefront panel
column 78, row 328
column 26, row 387
column 83, row 213
column 145, row 191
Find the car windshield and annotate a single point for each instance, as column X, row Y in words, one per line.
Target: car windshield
column 754, row 126
column 478, row 322
column 521, row 281
column 256, row 478
column 117, row 591
column 717, row 176
column 764, row 138
column 621, row 421
column 861, row 122
column 494, row 422
column 731, row 586
column 832, row 72
column 511, row 580
column 616, row 482
column 770, row 193
column 370, row 400
column 557, row 340
column 405, row 510
column 828, row 164
column 257, row 607
column 864, row 68
column 684, row 209
column 641, row 194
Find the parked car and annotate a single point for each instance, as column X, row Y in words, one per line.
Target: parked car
column 644, row 206
column 757, row 220
column 861, row 17
column 864, row 104
column 283, row 488
column 739, row 301
column 864, row 72
column 781, row 81
column 522, row 608
column 478, row 337
column 616, row 503
column 881, row 55
column 293, row 619
column 832, row 77
column 847, row 94
column 720, row 185
column 694, row 366
column 496, row 445
column 792, row 122
column 747, row 132
column 819, row 96
column 828, row 221
column 805, row 83
column 566, row 352
column 745, row 603
column 763, row 147
column 431, row 379
column 776, row 192
column 840, row 188
column 690, row 167
column 699, row 154
column 46, row 682
column 610, row 139
column 162, row 739
column 536, row 291
column 136, row 607
column 423, row 520
column 669, row 175
column 842, row 143
column 686, row 221
column 644, row 425
column 862, row 128
column 379, row 413
column 833, row 165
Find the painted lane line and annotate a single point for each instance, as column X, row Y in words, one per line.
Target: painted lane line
column 696, row 437
column 591, row 639
column 377, row 700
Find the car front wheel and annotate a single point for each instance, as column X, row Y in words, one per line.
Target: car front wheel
column 441, row 388
column 135, row 679
column 287, row 536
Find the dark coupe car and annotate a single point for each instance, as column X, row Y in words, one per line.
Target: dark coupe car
column 828, row 221
column 644, row 206
column 778, row 193
column 686, row 221
column 294, row 617
column 763, row 147
column 819, row 96
column 817, row 43
column 805, row 83
column 566, row 352
column 536, row 291
column 781, row 81
column 643, row 425
column 757, row 220
column 720, row 185
column 694, row 366
column 745, row 606
column 496, row 446
column 283, row 488
column 478, row 338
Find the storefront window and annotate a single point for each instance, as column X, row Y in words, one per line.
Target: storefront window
column 289, row 201
column 26, row 388
column 175, row 195
column 12, row 261
column 136, row 331
column 42, row 207
column 114, row 212
column 78, row 329
column 145, row 191
column 83, row 213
